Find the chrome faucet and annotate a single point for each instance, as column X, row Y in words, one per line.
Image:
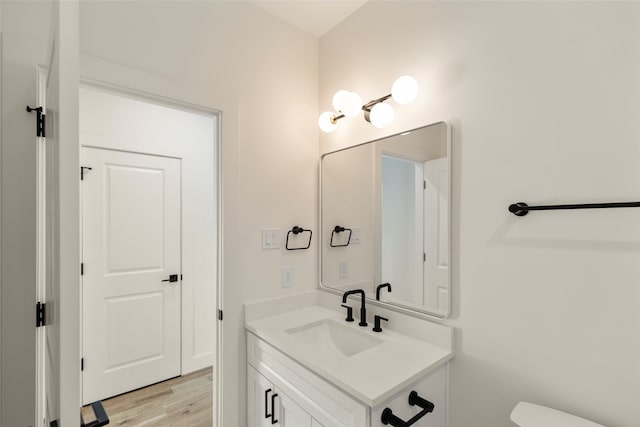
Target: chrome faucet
column 363, row 311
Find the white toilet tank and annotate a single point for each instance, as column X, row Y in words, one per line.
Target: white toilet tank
column 529, row 415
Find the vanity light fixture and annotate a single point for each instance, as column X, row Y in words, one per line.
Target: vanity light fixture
column 376, row 112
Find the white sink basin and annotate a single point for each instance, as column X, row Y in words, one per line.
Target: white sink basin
column 328, row 336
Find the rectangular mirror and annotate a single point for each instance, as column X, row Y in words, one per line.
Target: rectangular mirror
column 385, row 218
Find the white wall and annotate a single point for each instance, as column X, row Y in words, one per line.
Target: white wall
column 543, row 98
column 265, row 74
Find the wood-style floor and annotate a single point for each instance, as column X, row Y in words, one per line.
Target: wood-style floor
column 180, row 402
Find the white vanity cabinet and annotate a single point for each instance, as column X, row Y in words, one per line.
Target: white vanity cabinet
column 268, row 405
column 303, row 399
column 297, row 397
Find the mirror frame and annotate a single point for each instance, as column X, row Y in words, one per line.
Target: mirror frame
column 406, row 309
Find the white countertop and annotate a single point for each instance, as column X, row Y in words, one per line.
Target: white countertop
column 371, row 376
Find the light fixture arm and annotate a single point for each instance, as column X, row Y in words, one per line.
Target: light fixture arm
column 338, row 116
column 369, row 105
column 366, row 108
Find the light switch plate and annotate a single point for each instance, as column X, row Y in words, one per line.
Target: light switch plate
column 355, row 236
column 270, row 238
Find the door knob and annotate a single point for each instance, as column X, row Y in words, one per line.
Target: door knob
column 172, row 278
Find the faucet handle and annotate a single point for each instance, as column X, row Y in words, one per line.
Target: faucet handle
column 349, row 313
column 376, row 322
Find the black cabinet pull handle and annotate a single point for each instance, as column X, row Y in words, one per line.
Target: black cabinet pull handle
column 273, row 408
column 414, row 400
column 266, row 403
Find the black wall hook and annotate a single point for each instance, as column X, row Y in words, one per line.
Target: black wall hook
column 337, row 230
column 297, row 230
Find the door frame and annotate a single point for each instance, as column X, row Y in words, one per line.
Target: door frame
column 181, row 104
column 41, row 254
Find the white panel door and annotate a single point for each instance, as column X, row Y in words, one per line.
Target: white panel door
column 131, row 246
column 436, row 268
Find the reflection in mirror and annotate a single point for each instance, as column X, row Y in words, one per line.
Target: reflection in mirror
column 391, row 197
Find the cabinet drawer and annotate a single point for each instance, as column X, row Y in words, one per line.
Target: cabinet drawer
column 327, row 404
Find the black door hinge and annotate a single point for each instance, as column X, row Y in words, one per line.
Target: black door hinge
column 41, row 314
column 220, row 315
column 82, row 364
column 82, row 169
column 82, row 268
column 40, row 120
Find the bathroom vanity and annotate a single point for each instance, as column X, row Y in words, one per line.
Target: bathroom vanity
column 384, row 236
column 306, row 366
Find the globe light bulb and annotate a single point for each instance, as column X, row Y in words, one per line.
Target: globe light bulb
column 326, row 122
column 348, row 103
column 351, row 104
column 338, row 99
column 404, row 90
column 381, row 115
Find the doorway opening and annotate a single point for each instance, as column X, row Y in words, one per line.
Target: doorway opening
column 413, row 219
column 149, row 216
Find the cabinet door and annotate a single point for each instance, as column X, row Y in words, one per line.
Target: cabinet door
column 263, row 398
column 259, row 393
column 290, row 414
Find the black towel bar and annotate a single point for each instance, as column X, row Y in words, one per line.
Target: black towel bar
column 521, row 208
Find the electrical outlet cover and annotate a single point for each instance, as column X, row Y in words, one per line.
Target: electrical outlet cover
column 287, row 277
